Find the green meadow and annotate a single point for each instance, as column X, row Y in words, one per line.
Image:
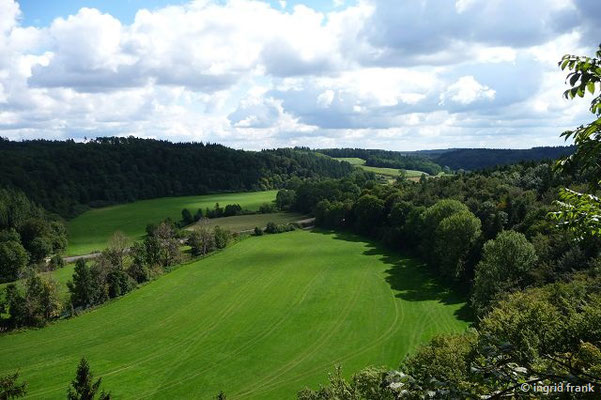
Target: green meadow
column 258, row 320
column 389, row 172
column 91, row 230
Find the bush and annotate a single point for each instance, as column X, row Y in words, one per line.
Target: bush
column 56, row 262
column 231, row 210
column 267, row 208
column 13, row 259
column 222, row 237
column 272, row 227
column 187, row 217
column 258, row 231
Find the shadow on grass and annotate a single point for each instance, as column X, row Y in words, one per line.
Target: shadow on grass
column 408, row 276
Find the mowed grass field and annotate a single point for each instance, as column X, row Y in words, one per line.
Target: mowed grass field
column 91, row 230
column 241, row 223
column 259, row 320
column 390, row 172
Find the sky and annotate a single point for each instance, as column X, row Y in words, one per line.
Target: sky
column 252, row 74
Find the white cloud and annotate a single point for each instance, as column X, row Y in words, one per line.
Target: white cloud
column 375, row 73
column 463, row 5
column 326, row 98
column 466, row 91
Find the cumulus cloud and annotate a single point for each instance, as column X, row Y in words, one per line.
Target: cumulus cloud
column 466, row 91
column 370, row 73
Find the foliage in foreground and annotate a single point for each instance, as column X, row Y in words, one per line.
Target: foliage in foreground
column 581, row 212
column 10, row 388
column 370, row 383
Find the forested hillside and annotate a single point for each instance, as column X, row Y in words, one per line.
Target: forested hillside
column 386, row 159
column 64, row 175
column 473, row 159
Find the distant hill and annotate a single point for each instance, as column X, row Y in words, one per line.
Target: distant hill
column 433, row 161
column 387, row 159
column 473, row 159
column 65, row 176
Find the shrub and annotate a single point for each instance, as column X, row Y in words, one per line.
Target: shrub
column 272, row 227
column 222, row 237
column 267, row 208
column 56, row 262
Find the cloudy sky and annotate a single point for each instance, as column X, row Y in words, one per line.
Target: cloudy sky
column 395, row 74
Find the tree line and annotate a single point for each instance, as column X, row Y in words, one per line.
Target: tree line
column 120, row 268
column 65, row 177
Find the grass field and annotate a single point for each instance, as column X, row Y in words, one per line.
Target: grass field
column 390, row 172
column 91, row 230
column 260, row 320
column 242, row 223
column 61, row 276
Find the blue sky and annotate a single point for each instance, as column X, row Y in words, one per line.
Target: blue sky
column 411, row 74
column 43, row 12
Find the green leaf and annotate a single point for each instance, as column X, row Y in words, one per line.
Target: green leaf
column 574, row 79
column 591, row 87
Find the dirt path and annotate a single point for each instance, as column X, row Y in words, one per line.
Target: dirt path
column 72, row 259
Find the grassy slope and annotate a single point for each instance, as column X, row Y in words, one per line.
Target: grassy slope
column 91, row 230
column 247, row 222
column 359, row 162
column 259, row 320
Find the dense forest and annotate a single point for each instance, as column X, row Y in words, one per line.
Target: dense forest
column 65, row 176
column 474, row 159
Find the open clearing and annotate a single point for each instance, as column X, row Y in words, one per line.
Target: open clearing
column 259, row 320
column 91, row 230
column 241, row 223
column 390, row 172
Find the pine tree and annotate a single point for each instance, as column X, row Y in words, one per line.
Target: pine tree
column 81, row 286
column 83, row 386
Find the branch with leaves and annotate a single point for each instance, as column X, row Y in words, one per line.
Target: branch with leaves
column 585, row 76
